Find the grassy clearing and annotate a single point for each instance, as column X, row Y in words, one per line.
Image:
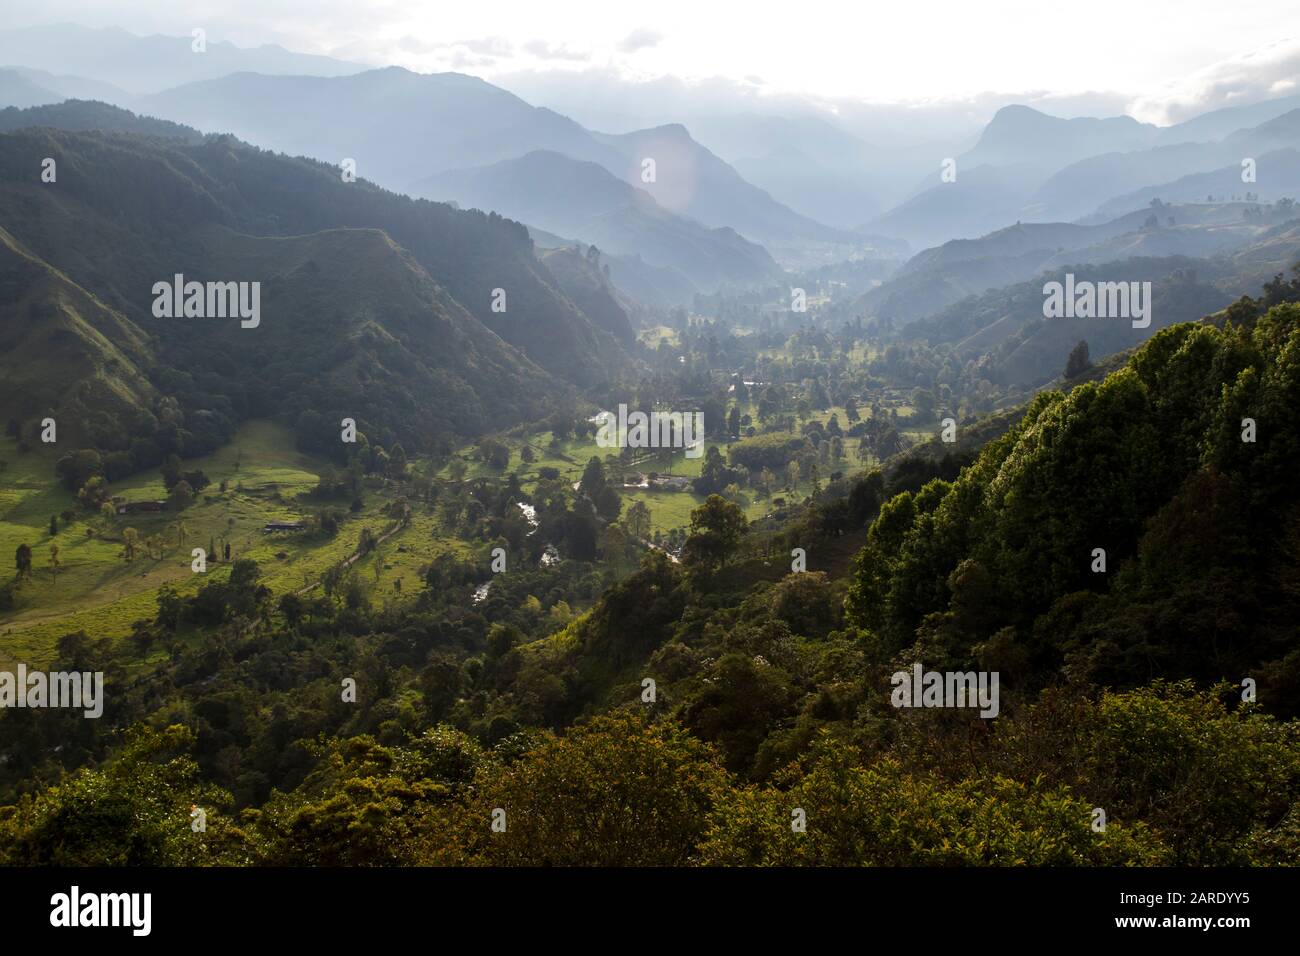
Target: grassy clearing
column 656, row 334
column 668, row 509
column 402, row 557
column 98, row 591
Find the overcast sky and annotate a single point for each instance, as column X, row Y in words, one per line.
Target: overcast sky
column 1164, row 59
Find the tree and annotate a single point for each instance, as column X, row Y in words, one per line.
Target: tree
column 887, row 815
column 613, row 544
column 615, row 791
column 54, row 562
column 714, row 474
column 715, row 532
column 78, row 467
column 397, row 461
column 608, row 503
column 142, row 637
column 741, row 703
column 94, row 493
column 593, row 478
column 580, row 533
column 637, row 520
column 171, row 609
column 23, row 561
column 1078, row 362
column 130, row 810
column 171, row 471
column 292, row 607
column 365, row 807
column 494, row 453
column 923, row 400
column 501, row 638
column 182, row 495
column 130, row 541
column 806, row 602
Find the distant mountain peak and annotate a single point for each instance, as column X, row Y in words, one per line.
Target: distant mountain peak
column 675, row 130
column 1018, row 109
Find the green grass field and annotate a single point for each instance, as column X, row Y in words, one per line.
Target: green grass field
column 98, row 591
column 656, row 334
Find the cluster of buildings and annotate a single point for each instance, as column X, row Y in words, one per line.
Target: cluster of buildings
column 657, row 482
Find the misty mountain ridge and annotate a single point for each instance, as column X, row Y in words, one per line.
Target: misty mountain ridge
column 403, row 127
column 1032, row 167
column 148, row 64
column 936, row 278
column 585, row 201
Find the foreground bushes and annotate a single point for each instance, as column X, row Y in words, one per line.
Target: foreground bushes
column 1182, row 779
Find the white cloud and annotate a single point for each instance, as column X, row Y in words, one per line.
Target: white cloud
column 1237, row 81
column 488, row 46
column 1154, row 53
column 475, row 54
column 459, row 59
column 640, row 39
column 414, row 44
column 554, row 51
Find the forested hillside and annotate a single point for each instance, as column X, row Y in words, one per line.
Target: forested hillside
column 130, row 211
column 1121, row 681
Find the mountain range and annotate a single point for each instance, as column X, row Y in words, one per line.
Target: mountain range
column 137, row 65
column 1031, row 166
column 586, row 232
column 570, row 197
column 404, row 334
column 1004, row 331
column 808, row 187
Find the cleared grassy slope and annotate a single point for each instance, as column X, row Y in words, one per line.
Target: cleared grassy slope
column 98, row 591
